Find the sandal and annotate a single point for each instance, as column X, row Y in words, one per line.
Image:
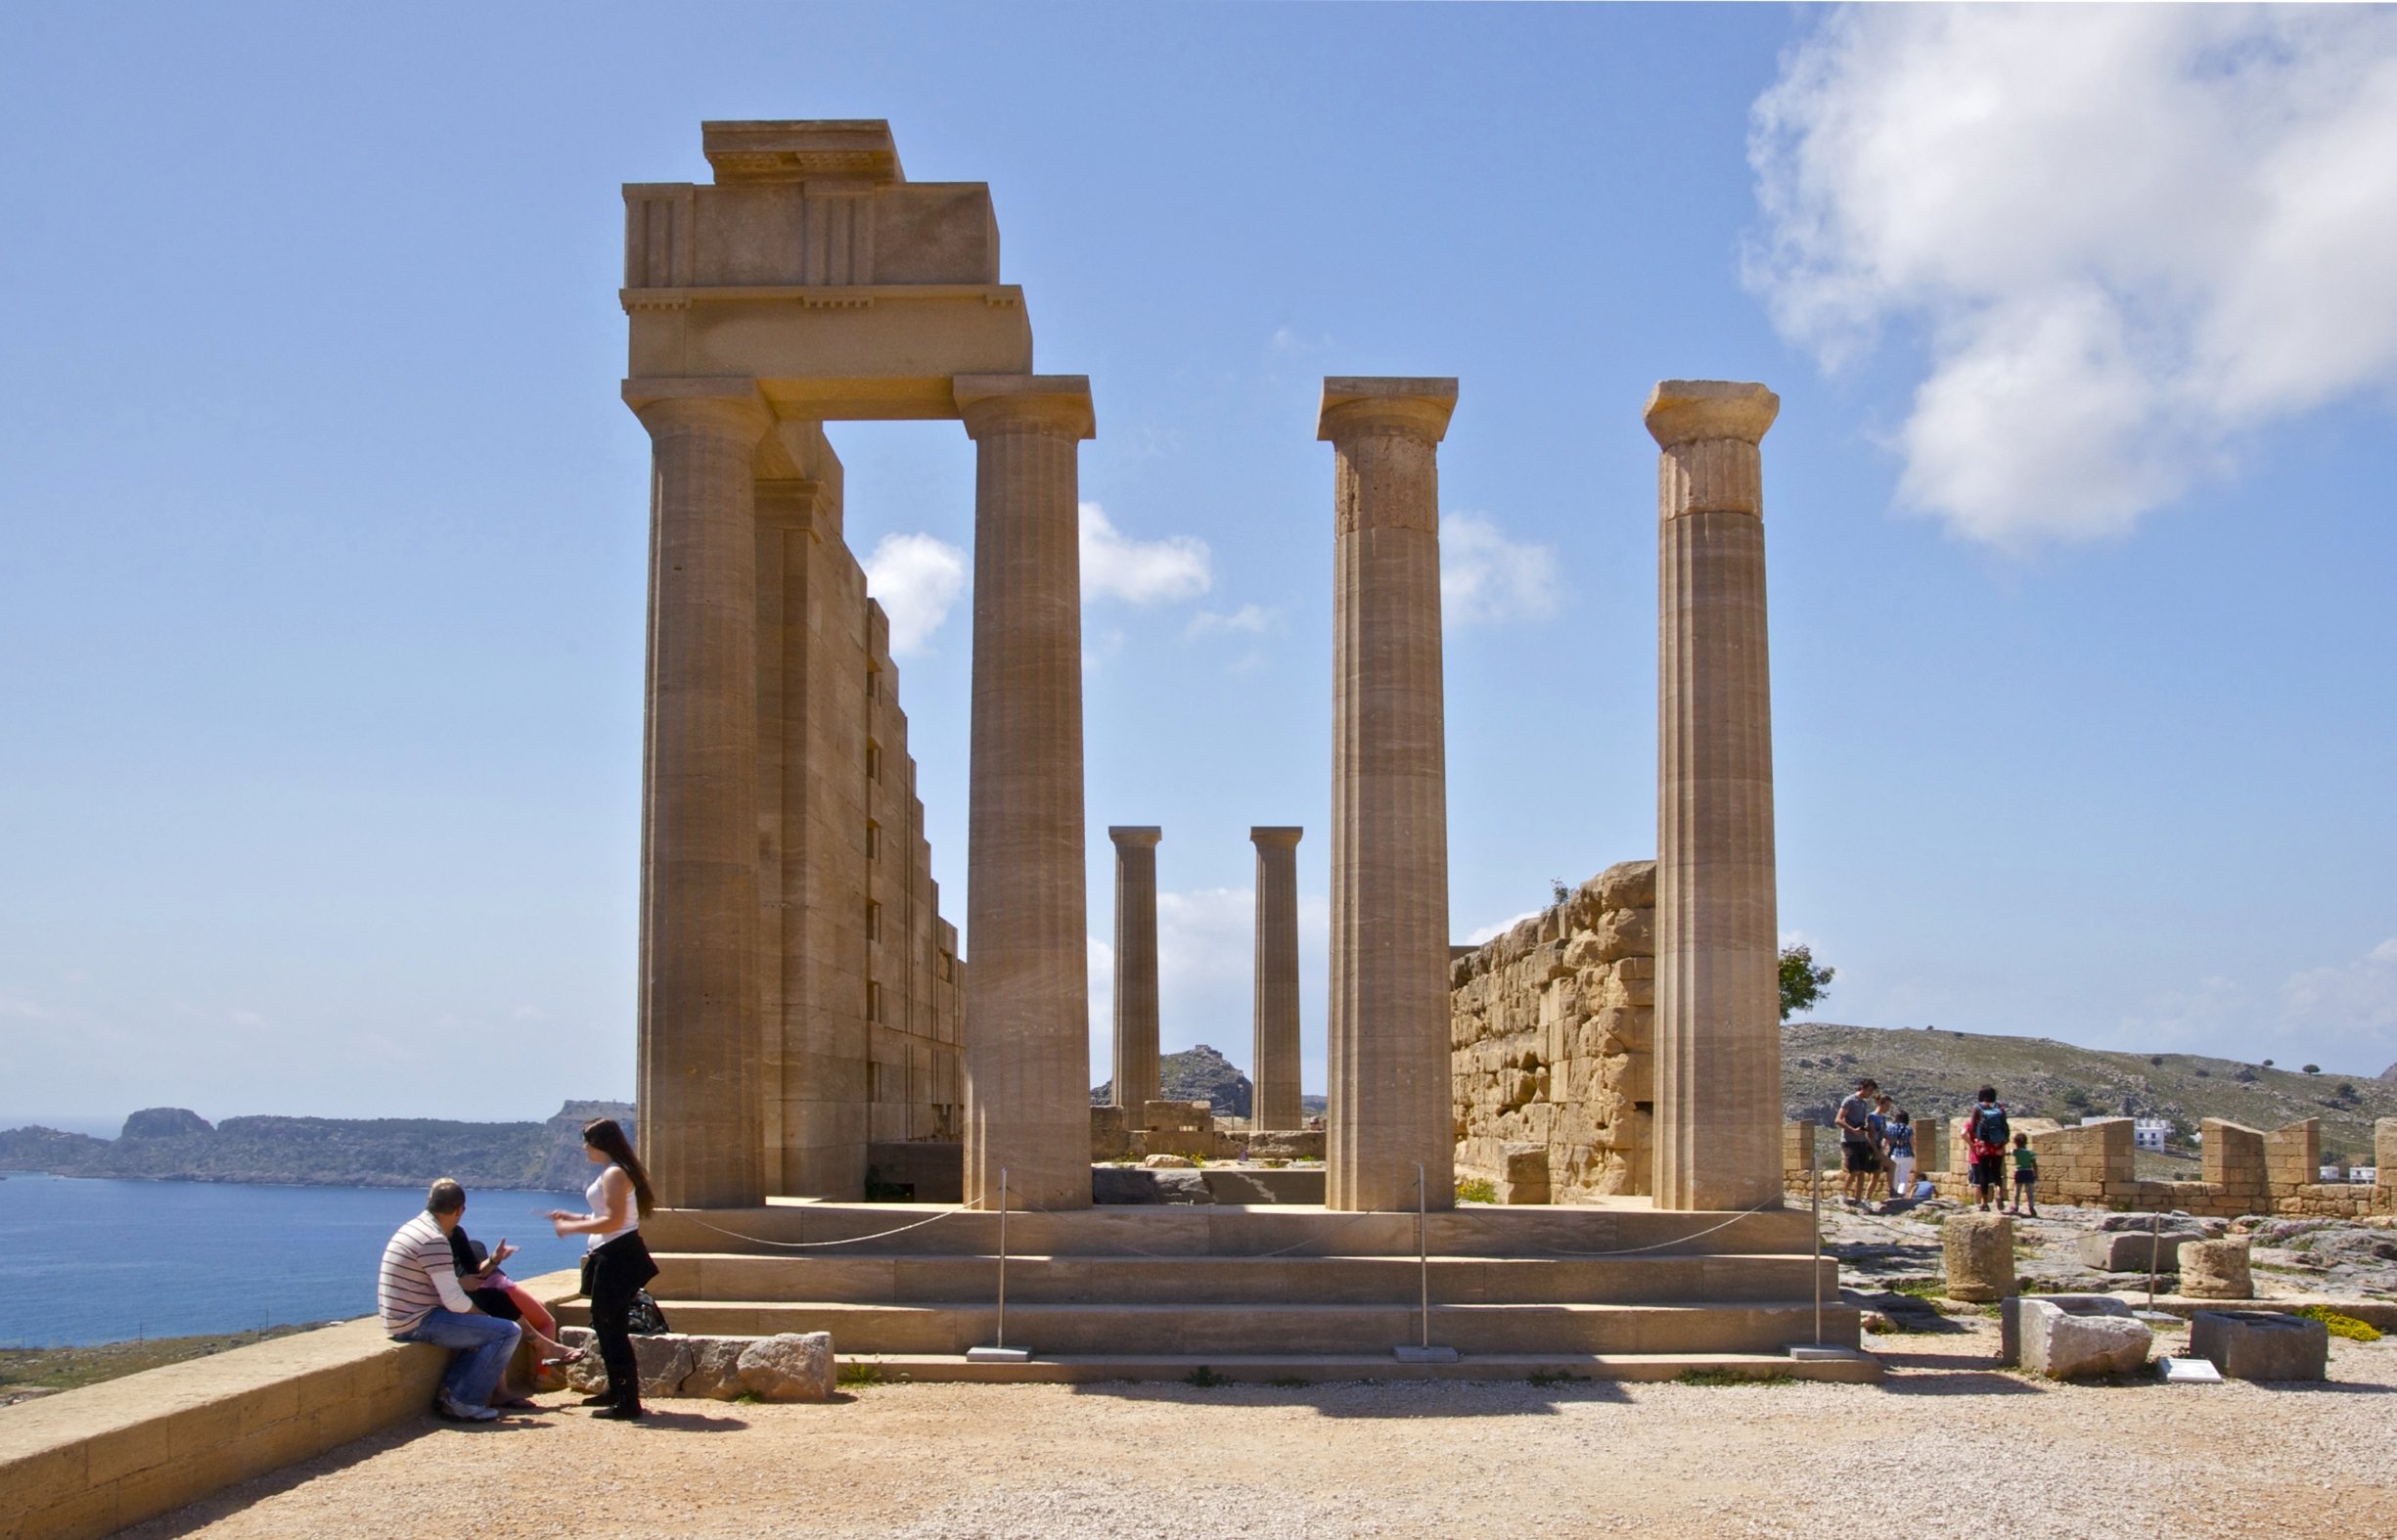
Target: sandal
column 575, row 1355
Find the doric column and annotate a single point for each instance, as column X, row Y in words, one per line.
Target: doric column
column 1027, row 996
column 1389, row 803
column 1718, row 1016
column 1135, row 1081
column 702, row 1133
column 1273, row 1101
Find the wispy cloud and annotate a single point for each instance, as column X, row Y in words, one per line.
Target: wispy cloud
column 2122, row 236
column 1487, row 579
column 1491, row 933
column 1115, row 566
column 917, row 578
column 1246, row 621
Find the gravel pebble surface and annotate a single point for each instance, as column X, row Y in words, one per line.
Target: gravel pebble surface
column 1948, row 1439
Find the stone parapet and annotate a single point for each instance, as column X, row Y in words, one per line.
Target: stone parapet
column 1551, row 1030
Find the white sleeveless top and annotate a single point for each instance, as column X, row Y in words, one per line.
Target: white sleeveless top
column 597, row 1194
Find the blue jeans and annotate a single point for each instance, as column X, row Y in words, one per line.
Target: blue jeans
column 484, row 1344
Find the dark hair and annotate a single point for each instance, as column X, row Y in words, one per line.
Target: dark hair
column 607, row 1136
column 1906, row 1117
column 1989, row 1093
column 1868, row 1083
column 445, row 1198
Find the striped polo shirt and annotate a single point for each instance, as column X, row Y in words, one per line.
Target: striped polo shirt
column 418, row 1276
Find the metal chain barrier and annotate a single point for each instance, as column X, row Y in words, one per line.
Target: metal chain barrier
column 806, row 1245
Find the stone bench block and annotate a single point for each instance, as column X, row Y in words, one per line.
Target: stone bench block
column 2216, row 1270
column 2130, row 1251
column 2254, row 1345
column 2064, row 1345
column 2010, row 1317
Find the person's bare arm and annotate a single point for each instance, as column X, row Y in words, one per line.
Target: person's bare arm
column 617, row 1189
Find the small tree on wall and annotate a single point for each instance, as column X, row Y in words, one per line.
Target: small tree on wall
column 1802, row 980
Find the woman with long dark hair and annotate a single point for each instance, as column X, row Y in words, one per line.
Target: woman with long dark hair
column 618, row 1263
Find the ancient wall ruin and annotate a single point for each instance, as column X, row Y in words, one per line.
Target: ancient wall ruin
column 2246, row 1171
column 1551, row 1029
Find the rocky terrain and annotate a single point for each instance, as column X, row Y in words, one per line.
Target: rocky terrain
column 175, row 1143
column 1196, row 1074
column 1935, row 1071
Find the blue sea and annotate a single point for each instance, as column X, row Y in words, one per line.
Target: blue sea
column 103, row 1261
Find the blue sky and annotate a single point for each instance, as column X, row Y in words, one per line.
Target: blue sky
column 321, row 585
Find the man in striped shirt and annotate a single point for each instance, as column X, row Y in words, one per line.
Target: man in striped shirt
column 422, row 1302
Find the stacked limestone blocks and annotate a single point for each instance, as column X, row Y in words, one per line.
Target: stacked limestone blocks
column 2216, row 1270
column 1551, row 1029
column 2384, row 1151
column 1978, row 1252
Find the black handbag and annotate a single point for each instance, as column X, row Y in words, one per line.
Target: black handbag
column 645, row 1319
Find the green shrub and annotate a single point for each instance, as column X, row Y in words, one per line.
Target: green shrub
column 1476, row 1190
column 1732, row 1376
column 2346, row 1325
column 1204, row 1378
column 860, row 1373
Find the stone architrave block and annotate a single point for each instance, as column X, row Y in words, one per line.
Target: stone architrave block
column 2132, row 1252
column 1978, row 1254
column 2062, row 1345
column 2216, row 1270
column 2010, row 1317
column 793, row 1366
column 2256, row 1344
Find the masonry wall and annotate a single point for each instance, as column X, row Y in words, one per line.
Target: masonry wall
column 2244, row 1172
column 863, row 989
column 1551, row 1032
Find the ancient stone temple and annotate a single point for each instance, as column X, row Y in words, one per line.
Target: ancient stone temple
column 1610, row 1068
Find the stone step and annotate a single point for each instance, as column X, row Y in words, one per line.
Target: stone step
column 1326, row 1368
column 943, row 1329
column 1229, row 1230
column 1208, row 1280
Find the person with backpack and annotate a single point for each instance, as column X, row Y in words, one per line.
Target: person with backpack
column 1860, row 1158
column 1987, row 1133
column 1901, row 1144
column 2026, row 1175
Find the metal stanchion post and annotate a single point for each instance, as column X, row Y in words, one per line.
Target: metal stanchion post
column 1000, row 1352
column 1424, row 1352
column 1814, row 1164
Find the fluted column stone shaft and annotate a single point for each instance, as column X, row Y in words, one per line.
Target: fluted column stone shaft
column 1027, row 994
column 700, row 1048
column 1718, row 1016
column 1274, row 1095
column 1388, row 1019
column 1135, row 1082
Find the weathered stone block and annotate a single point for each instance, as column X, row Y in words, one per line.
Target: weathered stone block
column 1525, row 1178
column 665, row 1361
column 2062, row 1345
column 791, row 1367
column 2010, row 1317
column 715, row 1369
column 1977, row 1253
column 2216, row 1270
column 2131, row 1251
column 2254, row 1344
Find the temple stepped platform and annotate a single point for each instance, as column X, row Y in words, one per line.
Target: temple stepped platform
column 1617, row 1292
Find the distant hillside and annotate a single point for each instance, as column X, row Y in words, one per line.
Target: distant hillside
column 1933, row 1071
column 1196, row 1074
column 172, row 1144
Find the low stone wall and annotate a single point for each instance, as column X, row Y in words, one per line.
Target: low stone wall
column 1551, row 1029
column 93, row 1461
column 2246, row 1171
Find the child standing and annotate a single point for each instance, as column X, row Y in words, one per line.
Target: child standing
column 2026, row 1176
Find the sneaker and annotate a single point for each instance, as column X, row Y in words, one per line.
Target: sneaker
column 623, row 1411
column 450, row 1411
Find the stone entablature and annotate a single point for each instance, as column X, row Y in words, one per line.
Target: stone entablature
column 1551, row 1033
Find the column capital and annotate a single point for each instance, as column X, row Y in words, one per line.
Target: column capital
column 1135, row 833
column 732, row 404
column 1283, row 834
column 1688, row 411
column 1415, row 406
column 1025, row 403
column 796, row 503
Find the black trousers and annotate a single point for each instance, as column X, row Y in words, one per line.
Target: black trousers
column 612, row 1276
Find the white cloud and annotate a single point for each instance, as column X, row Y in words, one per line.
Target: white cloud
column 2123, row 236
column 2349, row 1009
column 1140, row 572
column 1247, row 619
column 917, row 578
column 1486, row 579
column 1491, row 933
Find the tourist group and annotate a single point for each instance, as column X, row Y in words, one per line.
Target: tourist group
column 1877, row 1149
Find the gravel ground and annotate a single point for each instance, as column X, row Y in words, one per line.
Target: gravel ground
column 1948, row 1443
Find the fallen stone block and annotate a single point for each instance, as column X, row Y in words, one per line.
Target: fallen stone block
column 793, row 1366
column 715, row 1369
column 1978, row 1252
column 2216, row 1270
column 2255, row 1344
column 2063, row 1345
column 2131, row 1251
column 666, row 1363
column 2010, row 1317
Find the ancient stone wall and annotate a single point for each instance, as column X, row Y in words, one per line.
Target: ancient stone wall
column 2247, row 1171
column 1550, row 1033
